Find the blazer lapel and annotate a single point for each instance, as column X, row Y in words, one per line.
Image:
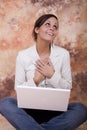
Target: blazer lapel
column 55, row 55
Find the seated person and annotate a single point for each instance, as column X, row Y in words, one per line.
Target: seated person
column 45, row 65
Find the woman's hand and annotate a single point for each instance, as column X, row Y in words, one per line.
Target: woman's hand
column 45, row 67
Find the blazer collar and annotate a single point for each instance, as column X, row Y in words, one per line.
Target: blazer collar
column 54, row 51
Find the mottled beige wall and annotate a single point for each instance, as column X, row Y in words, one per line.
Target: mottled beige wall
column 16, row 23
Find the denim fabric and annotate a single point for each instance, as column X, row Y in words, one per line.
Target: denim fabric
column 27, row 119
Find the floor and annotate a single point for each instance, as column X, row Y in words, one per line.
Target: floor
column 5, row 125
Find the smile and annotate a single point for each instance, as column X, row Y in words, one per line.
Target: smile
column 51, row 34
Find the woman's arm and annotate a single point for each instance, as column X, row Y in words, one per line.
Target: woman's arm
column 20, row 74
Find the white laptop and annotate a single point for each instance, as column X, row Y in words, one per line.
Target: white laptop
column 43, row 98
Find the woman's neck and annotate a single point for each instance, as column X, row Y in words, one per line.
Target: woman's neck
column 43, row 48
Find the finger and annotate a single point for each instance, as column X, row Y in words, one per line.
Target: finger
column 50, row 63
column 40, row 71
column 39, row 67
column 40, row 63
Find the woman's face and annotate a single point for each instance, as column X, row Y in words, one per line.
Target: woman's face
column 48, row 30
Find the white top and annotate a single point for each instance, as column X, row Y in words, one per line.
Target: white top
column 25, row 68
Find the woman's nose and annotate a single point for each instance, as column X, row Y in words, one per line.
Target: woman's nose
column 51, row 28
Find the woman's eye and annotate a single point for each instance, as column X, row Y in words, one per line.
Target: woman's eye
column 55, row 27
column 47, row 24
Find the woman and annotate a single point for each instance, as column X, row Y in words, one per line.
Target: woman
column 44, row 65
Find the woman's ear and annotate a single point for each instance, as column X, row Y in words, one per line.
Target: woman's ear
column 36, row 30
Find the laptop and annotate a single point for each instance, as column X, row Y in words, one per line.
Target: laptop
column 42, row 98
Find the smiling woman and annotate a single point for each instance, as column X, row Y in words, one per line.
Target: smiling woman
column 43, row 65
column 45, row 21
column 48, row 30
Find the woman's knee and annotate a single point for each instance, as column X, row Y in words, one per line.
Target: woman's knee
column 6, row 103
column 77, row 106
column 80, row 108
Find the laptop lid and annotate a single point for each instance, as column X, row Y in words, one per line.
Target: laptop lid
column 42, row 98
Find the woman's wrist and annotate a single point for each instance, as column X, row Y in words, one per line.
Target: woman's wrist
column 36, row 81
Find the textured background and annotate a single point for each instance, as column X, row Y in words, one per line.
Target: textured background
column 16, row 23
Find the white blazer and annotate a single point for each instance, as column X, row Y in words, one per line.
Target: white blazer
column 25, row 68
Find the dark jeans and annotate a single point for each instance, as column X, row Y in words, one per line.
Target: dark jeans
column 27, row 119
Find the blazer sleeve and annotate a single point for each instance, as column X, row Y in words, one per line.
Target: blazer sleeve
column 62, row 79
column 20, row 74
